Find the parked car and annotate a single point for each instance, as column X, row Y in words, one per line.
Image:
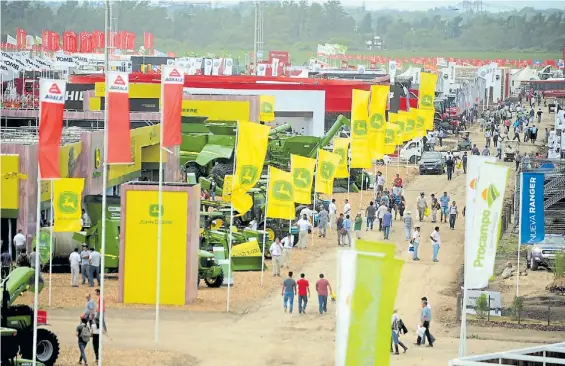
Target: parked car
column 432, row 162
column 543, row 253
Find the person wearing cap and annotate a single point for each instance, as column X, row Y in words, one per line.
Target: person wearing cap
column 408, row 224
column 415, row 241
column 85, row 264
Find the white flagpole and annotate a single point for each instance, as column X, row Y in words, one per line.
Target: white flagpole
column 265, row 226
column 104, row 181
column 314, row 203
column 230, row 239
column 50, row 245
column 348, row 170
column 519, row 233
column 362, row 182
column 37, row 263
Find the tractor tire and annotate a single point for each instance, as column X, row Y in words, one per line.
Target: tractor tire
column 193, row 168
column 412, row 159
column 47, row 346
column 215, row 282
column 220, row 170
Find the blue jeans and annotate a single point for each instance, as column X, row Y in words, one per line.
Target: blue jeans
column 81, row 347
column 288, row 298
column 323, row 303
column 387, row 231
column 415, row 254
column 302, row 302
column 394, row 337
column 370, row 221
column 436, row 251
column 407, row 233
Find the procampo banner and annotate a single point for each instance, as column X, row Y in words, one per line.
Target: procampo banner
column 341, row 148
column 119, row 146
column 427, row 90
column 484, row 231
column 67, row 205
column 325, row 173
column 52, row 104
column 302, row 170
column 532, row 226
column 360, row 152
column 280, row 204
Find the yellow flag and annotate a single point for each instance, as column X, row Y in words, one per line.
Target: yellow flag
column 341, row 148
column 410, row 131
column 226, row 190
column 377, row 119
column 280, row 195
column 427, row 115
column 67, row 195
column 427, row 90
column 250, row 156
column 420, row 126
column 390, row 138
column 267, row 110
column 302, row 170
column 360, row 152
column 325, row 174
column 398, row 119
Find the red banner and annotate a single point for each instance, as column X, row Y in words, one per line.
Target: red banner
column 86, row 42
column 130, row 41
column 98, row 40
column 119, row 139
column 172, row 82
column 123, row 40
column 45, row 40
column 70, row 42
column 21, row 39
column 148, row 41
column 116, row 41
column 52, row 104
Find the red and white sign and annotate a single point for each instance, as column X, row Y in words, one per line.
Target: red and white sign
column 117, row 102
column 172, row 82
column 52, row 104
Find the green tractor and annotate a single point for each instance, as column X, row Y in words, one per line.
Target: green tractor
column 209, row 270
column 9, row 347
column 20, row 318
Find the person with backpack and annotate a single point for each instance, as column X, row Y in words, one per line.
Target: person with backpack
column 83, row 335
column 23, row 259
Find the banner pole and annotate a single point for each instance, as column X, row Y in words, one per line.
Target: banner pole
column 104, row 180
column 314, row 199
column 397, row 161
column 230, row 237
column 265, row 226
column 50, row 245
column 519, row 232
column 348, row 170
column 37, row 263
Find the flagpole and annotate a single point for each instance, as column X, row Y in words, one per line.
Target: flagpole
column 104, row 181
column 37, row 229
column 50, row 245
column 348, row 170
column 230, row 237
column 314, row 204
column 519, row 233
column 265, row 226
column 397, row 161
column 362, row 181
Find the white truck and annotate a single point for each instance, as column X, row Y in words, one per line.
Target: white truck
column 412, row 151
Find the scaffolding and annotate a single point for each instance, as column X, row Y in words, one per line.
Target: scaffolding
column 551, row 354
column 30, row 136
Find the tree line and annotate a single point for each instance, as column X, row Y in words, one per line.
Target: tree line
column 296, row 26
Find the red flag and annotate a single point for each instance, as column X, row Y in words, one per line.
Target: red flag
column 116, row 40
column 21, row 39
column 66, row 41
column 52, row 104
column 117, row 102
column 98, row 40
column 172, row 82
column 73, row 41
column 123, row 35
column 45, row 40
column 131, row 41
column 148, row 41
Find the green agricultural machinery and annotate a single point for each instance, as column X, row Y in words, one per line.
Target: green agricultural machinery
column 9, row 346
column 20, row 318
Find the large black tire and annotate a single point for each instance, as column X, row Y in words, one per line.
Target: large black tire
column 215, row 282
column 47, row 346
column 220, row 170
column 193, row 168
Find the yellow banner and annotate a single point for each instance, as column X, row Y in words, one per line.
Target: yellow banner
column 390, row 138
column 302, row 170
column 420, row 126
column 360, row 151
column 10, row 184
column 248, row 249
column 341, row 148
column 325, row 174
column 67, row 205
column 250, row 154
column 427, row 90
column 427, row 115
column 280, row 195
column 216, row 110
column 401, row 130
column 267, row 111
column 377, row 119
column 68, row 162
column 226, row 188
column 410, row 131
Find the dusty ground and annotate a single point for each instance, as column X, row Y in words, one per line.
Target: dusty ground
column 258, row 333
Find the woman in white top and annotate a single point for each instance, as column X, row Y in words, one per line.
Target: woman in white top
column 453, row 214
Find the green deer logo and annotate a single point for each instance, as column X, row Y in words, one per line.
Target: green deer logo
column 248, row 175
column 302, row 178
column 68, row 202
column 360, row 127
column 282, row 191
column 377, row 121
column 327, row 170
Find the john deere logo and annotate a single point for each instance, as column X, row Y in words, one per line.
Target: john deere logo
column 389, row 137
column 327, row 170
column 97, row 158
column 420, row 122
column 282, row 190
column 266, row 107
column 156, row 211
column 68, row 202
column 490, row 194
column 377, row 120
column 410, row 125
column 302, row 178
column 249, row 174
column 341, row 152
column 427, row 101
column 360, row 127
column 401, row 126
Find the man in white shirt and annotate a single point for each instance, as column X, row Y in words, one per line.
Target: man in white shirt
column 94, row 261
column 380, row 214
column 308, row 212
column 434, row 236
column 333, row 209
column 380, row 182
column 19, row 242
column 276, row 252
column 74, row 260
column 347, row 208
column 287, row 244
column 303, row 226
column 415, row 241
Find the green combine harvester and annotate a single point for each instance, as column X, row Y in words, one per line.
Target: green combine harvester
column 17, row 322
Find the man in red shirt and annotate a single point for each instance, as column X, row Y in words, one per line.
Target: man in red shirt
column 324, row 290
column 397, row 185
column 303, row 293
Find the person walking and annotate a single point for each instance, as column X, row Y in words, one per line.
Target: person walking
column 387, row 224
column 287, row 243
column 83, row 335
column 371, row 214
column 346, row 231
column 85, row 265
column 488, row 136
column 449, row 166
column 464, row 162
column 453, row 215
column 440, row 137
column 380, row 181
column 425, row 319
column 323, row 217
column 6, row 260
column 397, row 327
column 380, row 214
column 324, row 289
column 99, row 311
column 94, row 264
column 434, row 236
column 22, row 260
column 415, row 241
column 95, row 335
column 74, row 260
column 276, row 250
column 303, row 227
column 332, row 213
column 516, row 134
column 421, row 204
column 347, row 208
column 408, row 224
column 533, row 134
column 435, row 207
column 33, row 258
column 339, row 228
column 358, row 225
column 444, row 206
column 397, row 185
column 288, row 292
column 19, row 242
column 539, row 113
column 303, row 293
